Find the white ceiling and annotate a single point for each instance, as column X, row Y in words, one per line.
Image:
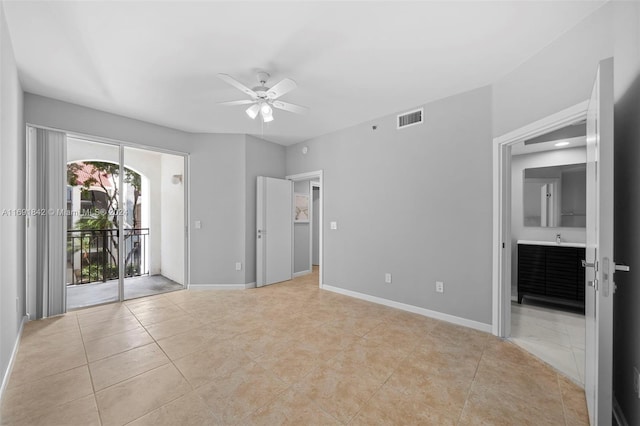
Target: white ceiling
column 157, row 60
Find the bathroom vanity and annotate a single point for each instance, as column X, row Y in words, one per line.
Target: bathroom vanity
column 551, row 271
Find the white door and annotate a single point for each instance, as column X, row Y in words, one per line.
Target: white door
column 274, row 233
column 599, row 250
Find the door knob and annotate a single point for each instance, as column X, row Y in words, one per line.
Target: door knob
column 623, row 268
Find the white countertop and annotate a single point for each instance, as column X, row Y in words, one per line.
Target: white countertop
column 552, row 243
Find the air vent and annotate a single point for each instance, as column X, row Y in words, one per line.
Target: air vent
column 410, row 118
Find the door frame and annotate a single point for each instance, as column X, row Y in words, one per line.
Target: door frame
column 313, row 184
column 318, row 177
column 501, row 281
column 121, row 145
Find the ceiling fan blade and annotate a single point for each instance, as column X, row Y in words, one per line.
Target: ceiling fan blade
column 243, row 102
column 290, row 107
column 235, row 83
column 285, row 86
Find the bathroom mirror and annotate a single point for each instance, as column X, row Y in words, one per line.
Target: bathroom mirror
column 555, row 196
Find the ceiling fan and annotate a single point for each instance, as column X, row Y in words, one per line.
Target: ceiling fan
column 264, row 99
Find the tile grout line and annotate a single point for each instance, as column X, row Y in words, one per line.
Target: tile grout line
column 137, row 375
column 564, row 408
column 475, row 374
column 382, row 384
column 170, row 362
column 93, row 387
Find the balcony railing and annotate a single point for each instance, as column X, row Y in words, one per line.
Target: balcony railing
column 92, row 254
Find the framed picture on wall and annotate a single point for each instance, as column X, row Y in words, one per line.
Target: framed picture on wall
column 301, row 208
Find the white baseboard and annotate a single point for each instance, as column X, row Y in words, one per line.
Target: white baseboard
column 7, row 374
column 250, row 285
column 301, row 273
column 410, row 308
column 217, row 286
column 618, row 414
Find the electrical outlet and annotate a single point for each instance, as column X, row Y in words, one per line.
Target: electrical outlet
column 439, row 287
column 238, row 266
column 387, row 278
column 636, row 381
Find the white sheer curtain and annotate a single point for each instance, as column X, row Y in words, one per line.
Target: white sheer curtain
column 47, row 184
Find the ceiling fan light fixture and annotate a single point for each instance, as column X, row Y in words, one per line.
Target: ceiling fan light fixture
column 253, row 110
column 268, row 116
column 263, row 98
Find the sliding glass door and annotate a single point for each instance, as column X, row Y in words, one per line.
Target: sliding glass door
column 126, row 221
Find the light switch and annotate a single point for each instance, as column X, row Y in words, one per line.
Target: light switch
column 198, row 224
column 334, row 225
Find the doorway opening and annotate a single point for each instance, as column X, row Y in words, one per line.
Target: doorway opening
column 308, row 224
column 548, row 235
column 539, row 239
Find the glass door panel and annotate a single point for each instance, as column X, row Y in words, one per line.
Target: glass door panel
column 154, row 238
column 92, row 204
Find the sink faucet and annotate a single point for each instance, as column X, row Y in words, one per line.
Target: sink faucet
column 558, row 239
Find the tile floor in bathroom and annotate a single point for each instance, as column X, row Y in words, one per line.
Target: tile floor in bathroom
column 554, row 336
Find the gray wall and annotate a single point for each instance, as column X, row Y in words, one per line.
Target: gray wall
column 414, row 202
column 217, row 166
column 217, row 188
column 12, row 196
column 627, row 208
column 263, row 158
column 559, row 76
column 301, row 235
column 315, row 224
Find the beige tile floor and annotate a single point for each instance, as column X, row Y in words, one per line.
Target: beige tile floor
column 555, row 336
column 284, row 354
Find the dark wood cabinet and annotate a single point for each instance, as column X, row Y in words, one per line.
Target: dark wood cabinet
column 550, row 272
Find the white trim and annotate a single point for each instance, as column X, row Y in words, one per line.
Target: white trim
column 411, row 308
column 187, row 221
column 12, row 359
column 313, row 184
column 311, row 219
column 618, row 414
column 121, row 239
column 546, row 124
column 501, row 209
column 250, row 285
column 320, row 181
column 301, row 273
column 217, row 286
